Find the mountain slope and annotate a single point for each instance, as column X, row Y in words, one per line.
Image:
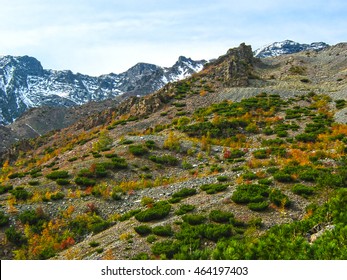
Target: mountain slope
column 241, row 160
column 287, row 47
column 25, row 84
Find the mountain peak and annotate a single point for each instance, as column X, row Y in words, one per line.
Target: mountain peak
column 287, row 47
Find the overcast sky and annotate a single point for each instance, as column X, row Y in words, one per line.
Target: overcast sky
column 101, row 36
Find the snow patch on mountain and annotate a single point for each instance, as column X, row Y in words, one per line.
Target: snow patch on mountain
column 287, row 47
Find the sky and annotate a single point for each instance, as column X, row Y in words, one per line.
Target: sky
column 97, row 37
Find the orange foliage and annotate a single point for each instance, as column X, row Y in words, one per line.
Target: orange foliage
column 299, row 156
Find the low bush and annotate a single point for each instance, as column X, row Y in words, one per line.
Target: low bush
column 249, row 176
column 5, row 189
column 4, row 220
column 279, row 199
column 163, row 230
column 159, row 211
column 119, row 163
column 215, row 232
column 21, row 193
column 16, row 175
column 57, row 196
column 302, row 190
column 85, row 182
column 283, row 177
column 143, row 230
column 15, row 237
column 167, row 248
column 266, row 182
column 214, row 188
column 185, row 192
column 128, row 215
column 194, row 219
column 34, row 183
column 59, row 174
column 138, row 150
column 185, row 208
column 151, row 239
column 245, row 194
column 219, row 216
column 258, row 206
column 260, row 154
column 222, row 178
column 165, row 159
column 62, row 182
column 94, row 244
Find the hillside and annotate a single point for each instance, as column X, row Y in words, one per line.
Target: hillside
column 243, row 160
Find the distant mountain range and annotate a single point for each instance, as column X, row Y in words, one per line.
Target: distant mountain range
column 24, row 84
column 287, row 47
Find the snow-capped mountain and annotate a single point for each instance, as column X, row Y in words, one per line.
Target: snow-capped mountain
column 287, row 47
column 25, row 84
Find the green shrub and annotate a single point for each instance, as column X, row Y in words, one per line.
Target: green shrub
column 163, row 230
column 185, row 208
column 142, row 257
column 128, row 215
column 266, row 182
column 303, row 190
column 15, row 236
column 194, row 219
column 72, row 159
column 214, row 188
column 85, row 182
column 138, row 150
column 57, row 196
column 150, row 144
column 306, row 137
column 258, row 206
column 222, row 178
column 116, row 196
column 94, row 244
column 143, row 230
column 20, row 193
column 260, row 154
column 32, row 217
column 62, row 182
column 119, row 163
column 4, row 220
column 5, row 189
column 34, row 183
column 85, row 173
column 168, row 248
column 219, row 216
column 215, row 232
column 309, row 175
column 159, row 211
column 58, row 175
column 216, row 168
column 165, row 159
column 151, row 239
column 147, row 201
column 16, row 175
column 340, row 103
column 279, row 199
column 185, row 192
column 249, row 176
column 283, row 177
column 251, row 193
column 186, row 165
